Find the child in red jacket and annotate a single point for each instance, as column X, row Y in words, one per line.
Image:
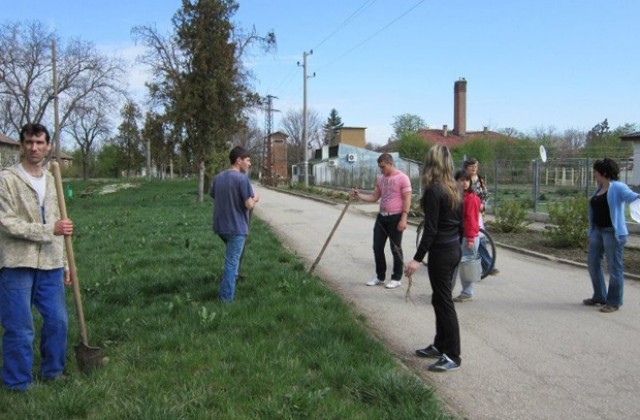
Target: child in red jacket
column 471, row 222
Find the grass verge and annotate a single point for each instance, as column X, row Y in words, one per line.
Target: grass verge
column 287, row 348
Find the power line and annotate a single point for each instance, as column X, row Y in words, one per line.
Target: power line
column 376, row 33
column 358, row 11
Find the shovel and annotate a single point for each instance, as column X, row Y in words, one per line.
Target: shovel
column 87, row 357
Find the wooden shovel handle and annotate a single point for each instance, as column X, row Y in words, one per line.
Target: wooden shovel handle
column 324, row 247
column 55, row 168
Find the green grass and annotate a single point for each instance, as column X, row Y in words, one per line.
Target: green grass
column 287, row 348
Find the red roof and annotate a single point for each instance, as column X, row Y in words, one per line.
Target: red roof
column 451, row 140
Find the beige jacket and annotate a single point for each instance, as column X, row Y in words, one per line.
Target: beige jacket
column 25, row 241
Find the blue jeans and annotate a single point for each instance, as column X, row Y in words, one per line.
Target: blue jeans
column 19, row 289
column 485, row 258
column 234, row 246
column 602, row 241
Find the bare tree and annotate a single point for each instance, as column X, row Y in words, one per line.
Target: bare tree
column 546, row 135
column 87, row 125
column 26, row 90
column 573, row 140
column 292, row 127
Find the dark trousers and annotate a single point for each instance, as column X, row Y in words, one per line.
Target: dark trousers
column 386, row 227
column 442, row 262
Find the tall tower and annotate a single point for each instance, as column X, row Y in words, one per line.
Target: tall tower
column 460, row 107
column 269, row 126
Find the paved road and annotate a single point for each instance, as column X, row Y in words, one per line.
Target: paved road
column 530, row 349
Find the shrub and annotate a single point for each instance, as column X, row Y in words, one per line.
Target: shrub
column 568, row 223
column 511, row 216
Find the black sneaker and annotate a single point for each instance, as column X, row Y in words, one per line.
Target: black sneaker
column 430, row 351
column 592, row 302
column 444, row 364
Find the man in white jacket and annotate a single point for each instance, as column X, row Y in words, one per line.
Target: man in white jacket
column 32, row 265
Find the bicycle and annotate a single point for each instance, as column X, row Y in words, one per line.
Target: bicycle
column 488, row 260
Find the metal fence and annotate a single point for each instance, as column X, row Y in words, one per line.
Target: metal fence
column 531, row 182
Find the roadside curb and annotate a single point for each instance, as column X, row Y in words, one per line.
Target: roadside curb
column 414, row 223
column 555, row 259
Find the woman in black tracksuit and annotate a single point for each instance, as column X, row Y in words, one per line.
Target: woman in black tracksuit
column 442, row 205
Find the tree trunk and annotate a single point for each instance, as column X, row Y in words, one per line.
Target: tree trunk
column 85, row 165
column 201, row 182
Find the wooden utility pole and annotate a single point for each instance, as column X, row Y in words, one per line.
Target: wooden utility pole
column 56, row 115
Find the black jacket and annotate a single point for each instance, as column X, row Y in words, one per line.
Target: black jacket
column 442, row 224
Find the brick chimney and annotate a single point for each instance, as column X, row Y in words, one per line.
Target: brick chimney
column 460, row 107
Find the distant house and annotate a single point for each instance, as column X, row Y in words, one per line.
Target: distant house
column 349, row 160
column 635, row 138
column 9, row 151
column 351, row 135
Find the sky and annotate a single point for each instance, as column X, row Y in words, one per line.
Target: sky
column 529, row 65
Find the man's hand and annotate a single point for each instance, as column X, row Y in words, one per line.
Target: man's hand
column 63, row 227
column 402, row 224
column 67, row 278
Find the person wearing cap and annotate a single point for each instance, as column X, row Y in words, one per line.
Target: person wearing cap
column 393, row 189
column 607, row 235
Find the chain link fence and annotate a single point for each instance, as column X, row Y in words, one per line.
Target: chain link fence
column 531, row 182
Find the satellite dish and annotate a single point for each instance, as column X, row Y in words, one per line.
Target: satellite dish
column 635, row 210
column 543, row 154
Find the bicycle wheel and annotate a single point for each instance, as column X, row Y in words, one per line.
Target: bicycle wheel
column 487, row 251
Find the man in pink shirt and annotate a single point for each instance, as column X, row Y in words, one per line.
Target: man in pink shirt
column 393, row 189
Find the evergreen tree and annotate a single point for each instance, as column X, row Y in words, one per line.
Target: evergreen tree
column 332, row 127
column 129, row 139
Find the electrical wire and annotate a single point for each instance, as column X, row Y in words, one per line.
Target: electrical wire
column 353, row 15
column 375, row 34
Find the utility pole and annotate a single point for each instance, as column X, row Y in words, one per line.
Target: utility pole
column 304, row 115
column 269, row 124
column 56, row 115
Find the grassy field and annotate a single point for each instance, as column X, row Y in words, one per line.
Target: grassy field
column 287, row 348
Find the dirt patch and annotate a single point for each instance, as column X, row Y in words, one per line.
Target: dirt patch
column 107, row 189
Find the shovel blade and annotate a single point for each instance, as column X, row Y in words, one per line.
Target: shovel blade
column 89, row 358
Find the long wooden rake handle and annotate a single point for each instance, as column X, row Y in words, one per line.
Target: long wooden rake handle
column 55, row 168
column 324, row 247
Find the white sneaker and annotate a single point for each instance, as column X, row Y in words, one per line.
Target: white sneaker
column 375, row 282
column 393, row 284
